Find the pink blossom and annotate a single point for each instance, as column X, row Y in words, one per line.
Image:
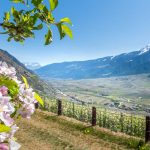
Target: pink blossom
column 14, row 128
column 14, row 145
column 8, row 71
column 5, row 117
column 3, row 136
column 4, row 90
column 27, row 110
column 7, row 107
column 3, row 146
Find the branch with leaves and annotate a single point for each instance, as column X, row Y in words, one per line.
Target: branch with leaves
column 22, row 24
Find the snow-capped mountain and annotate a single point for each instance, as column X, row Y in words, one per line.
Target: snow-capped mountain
column 135, row 62
column 32, row 66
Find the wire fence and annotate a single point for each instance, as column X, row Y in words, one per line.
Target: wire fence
column 130, row 124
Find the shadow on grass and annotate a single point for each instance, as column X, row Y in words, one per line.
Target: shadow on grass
column 129, row 142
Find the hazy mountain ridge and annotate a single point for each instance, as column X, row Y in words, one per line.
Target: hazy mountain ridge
column 39, row 85
column 32, row 66
column 136, row 62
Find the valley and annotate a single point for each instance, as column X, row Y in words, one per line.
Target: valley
column 126, row 93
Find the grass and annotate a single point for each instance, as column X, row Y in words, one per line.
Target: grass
column 46, row 131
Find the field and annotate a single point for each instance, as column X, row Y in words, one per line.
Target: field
column 46, row 131
column 127, row 93
column 127, row 123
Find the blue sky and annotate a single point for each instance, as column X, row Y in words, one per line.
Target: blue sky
column 100, row 28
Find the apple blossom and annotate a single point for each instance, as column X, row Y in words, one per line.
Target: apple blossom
column 4, row 147
column 4, row 90
column 23, row 105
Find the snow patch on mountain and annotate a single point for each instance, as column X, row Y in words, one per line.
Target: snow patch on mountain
column 112, row 57
column 144, row 50
column 32, row 66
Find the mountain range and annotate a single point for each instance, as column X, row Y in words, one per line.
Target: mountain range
column 35, row 82
column 136, row 62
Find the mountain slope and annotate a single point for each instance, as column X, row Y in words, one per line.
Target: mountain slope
column 38, row 84
column 136, row 62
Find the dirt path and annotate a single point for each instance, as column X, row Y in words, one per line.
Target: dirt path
column 46, row 131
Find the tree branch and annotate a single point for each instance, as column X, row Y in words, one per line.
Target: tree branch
column 18, row 29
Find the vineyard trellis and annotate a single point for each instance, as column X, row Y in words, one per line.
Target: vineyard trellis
column 130, row 124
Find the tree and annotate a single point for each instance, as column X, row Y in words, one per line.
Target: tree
column 21, row 24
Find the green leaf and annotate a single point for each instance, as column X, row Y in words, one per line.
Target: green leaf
column 17, row 1
column 48, row 37
column 15, row 14
column 4, row 32
column 36, row 2
column 53, row 4
column 9, row 39
column 66, row 20
column 67, row 30
column 39, row 99
column 25, row 81
column 50, row 17
column 7, row 16
column 62, row 35
column 12, row 10
column 41, row 6
column 4, row 128
column 10, row 84
column 39, row 27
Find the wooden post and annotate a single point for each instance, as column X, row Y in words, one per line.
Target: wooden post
column 59, row 107
column 121, row 121
column 93, row 116
column 36, row 105
column 147, row 132
column 73, row 109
